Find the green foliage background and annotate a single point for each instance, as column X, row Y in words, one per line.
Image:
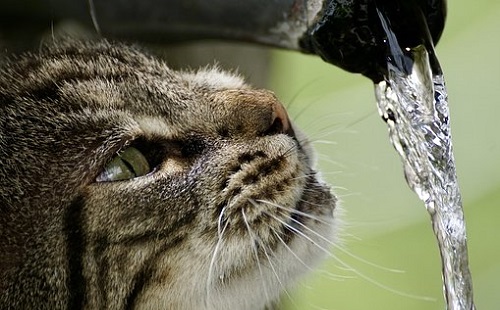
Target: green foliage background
column 385, row 223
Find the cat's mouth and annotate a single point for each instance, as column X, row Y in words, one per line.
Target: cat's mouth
column 277, row 229
column 264, row 193
column 314, row 206
column 259, row 177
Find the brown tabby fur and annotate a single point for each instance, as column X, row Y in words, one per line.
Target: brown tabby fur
column 213, row 225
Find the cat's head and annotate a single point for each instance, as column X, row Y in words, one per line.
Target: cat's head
column 124, row 183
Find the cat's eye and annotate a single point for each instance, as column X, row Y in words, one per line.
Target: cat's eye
column 128, row 164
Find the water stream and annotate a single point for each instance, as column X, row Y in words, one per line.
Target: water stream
column 412, row 100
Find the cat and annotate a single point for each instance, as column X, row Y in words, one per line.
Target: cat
column 127, row 185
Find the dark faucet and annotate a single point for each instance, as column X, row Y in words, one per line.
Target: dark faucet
column 346, row 33
column 351, row 35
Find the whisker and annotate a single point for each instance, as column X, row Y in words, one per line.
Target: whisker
column 291, row 210
column 214, row 256
column 335, row 277
column 316, row 205
column 292, row 101
column 362, row 118
column 288, row 152
column 318, row 126
column 290, row 250
column 300, row 233
column 335, row 188
column 263, row 245
column 52, row 35
column 324, row 273
column 254, row 249
column 326, row 132
column 318, row 138
column 349, row 268
column 275, row 272
column 327, row 142
column 313, row 174
column 328, row 159
column 333, row 126
column 93, row 16
column 296, row 116
column 219, row 220
column 345, row 251
column 346, row 235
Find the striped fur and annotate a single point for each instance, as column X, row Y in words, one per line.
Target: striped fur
column 211, row 227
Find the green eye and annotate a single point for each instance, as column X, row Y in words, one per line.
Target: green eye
column 129, row 164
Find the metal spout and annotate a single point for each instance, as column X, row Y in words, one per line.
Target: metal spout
column 349, row 34
column 346, row 33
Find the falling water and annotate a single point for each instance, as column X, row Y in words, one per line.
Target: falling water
column 413, row 102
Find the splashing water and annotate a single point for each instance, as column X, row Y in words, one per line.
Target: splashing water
column 413, row 102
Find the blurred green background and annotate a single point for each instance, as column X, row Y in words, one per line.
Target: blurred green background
column 385, row 223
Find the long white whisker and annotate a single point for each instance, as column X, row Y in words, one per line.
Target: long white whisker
column 308, row 175
column 254, row 249
column 289, row 151
column 275, row 272
column 289, row 249
column 335, row 128
column 345, row 251
column 335, row 277
column 328, row 159
column 93, row 16
column 347, row 267
column 270, row 260
column 299, row 233
column 297, row 115
column 322, row 134
column 219, row 221
column 295, row 211
column 297, row 93
column 220, row 240
column 327, row 142
column 328, row 274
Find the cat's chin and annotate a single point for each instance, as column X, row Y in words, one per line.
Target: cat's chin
column 255, row 287
column 271, row 266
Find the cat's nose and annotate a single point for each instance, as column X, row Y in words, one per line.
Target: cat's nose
column 280, row 123
column 254, row 112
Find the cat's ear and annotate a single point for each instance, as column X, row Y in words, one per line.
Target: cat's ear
column 213, row 78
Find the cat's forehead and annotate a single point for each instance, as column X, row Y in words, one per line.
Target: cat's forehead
column 213, row 78
column 81, row 61
column 102, row 75
column 116, row 88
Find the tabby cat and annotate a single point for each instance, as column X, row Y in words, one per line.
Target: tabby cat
column 127, row 185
